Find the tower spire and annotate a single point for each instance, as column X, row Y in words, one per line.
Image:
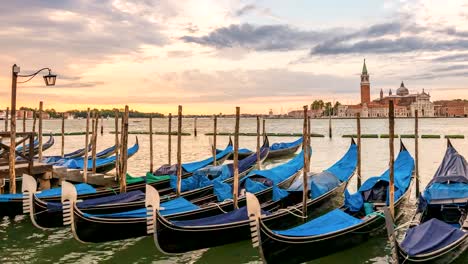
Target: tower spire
column 364, row 68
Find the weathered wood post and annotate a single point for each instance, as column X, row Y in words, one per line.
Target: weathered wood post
column 305, row 149
column 235, row 185
column 258, row 144
column 416, row 150
column 85, row 160
column 169, row 143
column 102, row 125
column 12, row 156
column 41, row 105
column 124, row 151
column 179, row 150
column 24, row 131
column 195, row 126
column 34, row 121
column 358, row 125
column 151, row 141
column 63, row 136
column 330, row 135
column 215, row 124
column 117, row 147
column 7, row 112
column 391, row 126
column 94, row 138
column 263, row 131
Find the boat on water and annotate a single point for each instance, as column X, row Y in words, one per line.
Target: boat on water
column 77, row 154
column 185, row 232
column 438, row 231
column 277, row 150
column 360, row 218
column 130, row 218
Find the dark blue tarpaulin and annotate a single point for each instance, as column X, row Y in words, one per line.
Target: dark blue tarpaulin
column 430, row 236
column 193, row 166
column 330, row 222
column 284, row 145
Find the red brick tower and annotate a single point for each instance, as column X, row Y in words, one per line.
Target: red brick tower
column 365, row 85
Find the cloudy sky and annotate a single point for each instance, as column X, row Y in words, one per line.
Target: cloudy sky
column 212, row 55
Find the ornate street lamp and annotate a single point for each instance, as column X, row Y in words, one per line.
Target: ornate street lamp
column 49, row 81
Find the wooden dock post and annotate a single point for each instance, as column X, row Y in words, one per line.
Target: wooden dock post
column 7, row 112
column 416, row 151
column 94, row 139
column 124, row 151
column 151, row 141
column 63, row 136
column 235, row 184
column 102, row 125
column 358, row 126
column 215, row 124
column 179, row 150
column 330, row 135
column 41, row 106
column 85, row 160
column 12, row 156
column 391, row 128
column 263, row 131
column 34, row 121
column 117, row 147
column 308, row 141
column 169, row 143
column 195, row 126
column 258, row 144
column 24, row 130
column 305, row 149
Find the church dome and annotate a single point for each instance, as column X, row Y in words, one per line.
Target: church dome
column 402, row 91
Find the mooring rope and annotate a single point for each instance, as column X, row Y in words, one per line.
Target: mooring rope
column 291, row 212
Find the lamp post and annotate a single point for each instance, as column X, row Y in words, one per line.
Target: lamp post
column 49, row 81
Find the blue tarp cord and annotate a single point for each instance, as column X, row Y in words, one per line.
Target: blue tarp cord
column 403, row 166
column 112, row 199
column 430, row 236
column 193, row 166
column 283, row 145
column 178, row 205
column 330, row 222
column 450, row 180
column 78, row 163
column 240, row 214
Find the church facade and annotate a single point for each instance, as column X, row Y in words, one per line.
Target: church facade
column 405, row 103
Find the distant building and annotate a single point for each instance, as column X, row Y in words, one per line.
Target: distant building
column 451, row 108
column 405, row 104
column 314, row 113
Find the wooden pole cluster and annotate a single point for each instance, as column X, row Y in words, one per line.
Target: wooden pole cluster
column 85, row 160
column 305, row 170
column 169, row 143
column 63, row 136
column 94, row 139
column 124, row 151
column 215, row 124
column 117, row 147
column 416, row 150
column 195, row 126
column 151, row 141
column 235, row 185
column 41, row 106
column 391, row 127
column 179, row 150
column 258, row 144
column 358, row 125
column 7, row 112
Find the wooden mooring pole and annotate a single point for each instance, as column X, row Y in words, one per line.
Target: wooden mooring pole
column 124, row 151
column 7, row 112
column 258, row 144
column 34, row 121
column 62, row 152
column 391, row 128
column 235, row 184
column 263, row 130
column 41, row 106
column 151, row 141
column 305, row 149
column 330, row 134
column 102, row 125
column 94, row 138
column 12, row 154
column 117, row 147
column 416, row 151
column 85, row 160
column 179, row 150
column 195, row 126
column 24, row 130
column 169, row 136
column 215, row 124
column 358, row 126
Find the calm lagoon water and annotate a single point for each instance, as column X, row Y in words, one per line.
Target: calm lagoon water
column 20, row 242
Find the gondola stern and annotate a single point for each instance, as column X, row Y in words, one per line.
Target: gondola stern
column 68, row 199
column 254, row 211
column 152, row 203
column 28, row 188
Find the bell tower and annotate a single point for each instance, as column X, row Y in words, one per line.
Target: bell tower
column 365, row 85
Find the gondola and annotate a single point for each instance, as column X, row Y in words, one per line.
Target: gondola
column 75, row 154
column 45, row 146
column 439, row 230
column 65, row 162
column 277, row 150
column 352, row 224
column 11, row 205
column 181, row 233
column 132, row 223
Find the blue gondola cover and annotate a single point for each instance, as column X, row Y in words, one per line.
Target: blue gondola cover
column 283, row 145
column 193, row 166
column 430, row 236
column 240, row 214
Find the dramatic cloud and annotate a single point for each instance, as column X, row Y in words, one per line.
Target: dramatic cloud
column 245, row 9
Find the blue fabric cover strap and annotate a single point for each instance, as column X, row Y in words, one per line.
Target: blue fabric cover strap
column 430, row 236
column 332, row 221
